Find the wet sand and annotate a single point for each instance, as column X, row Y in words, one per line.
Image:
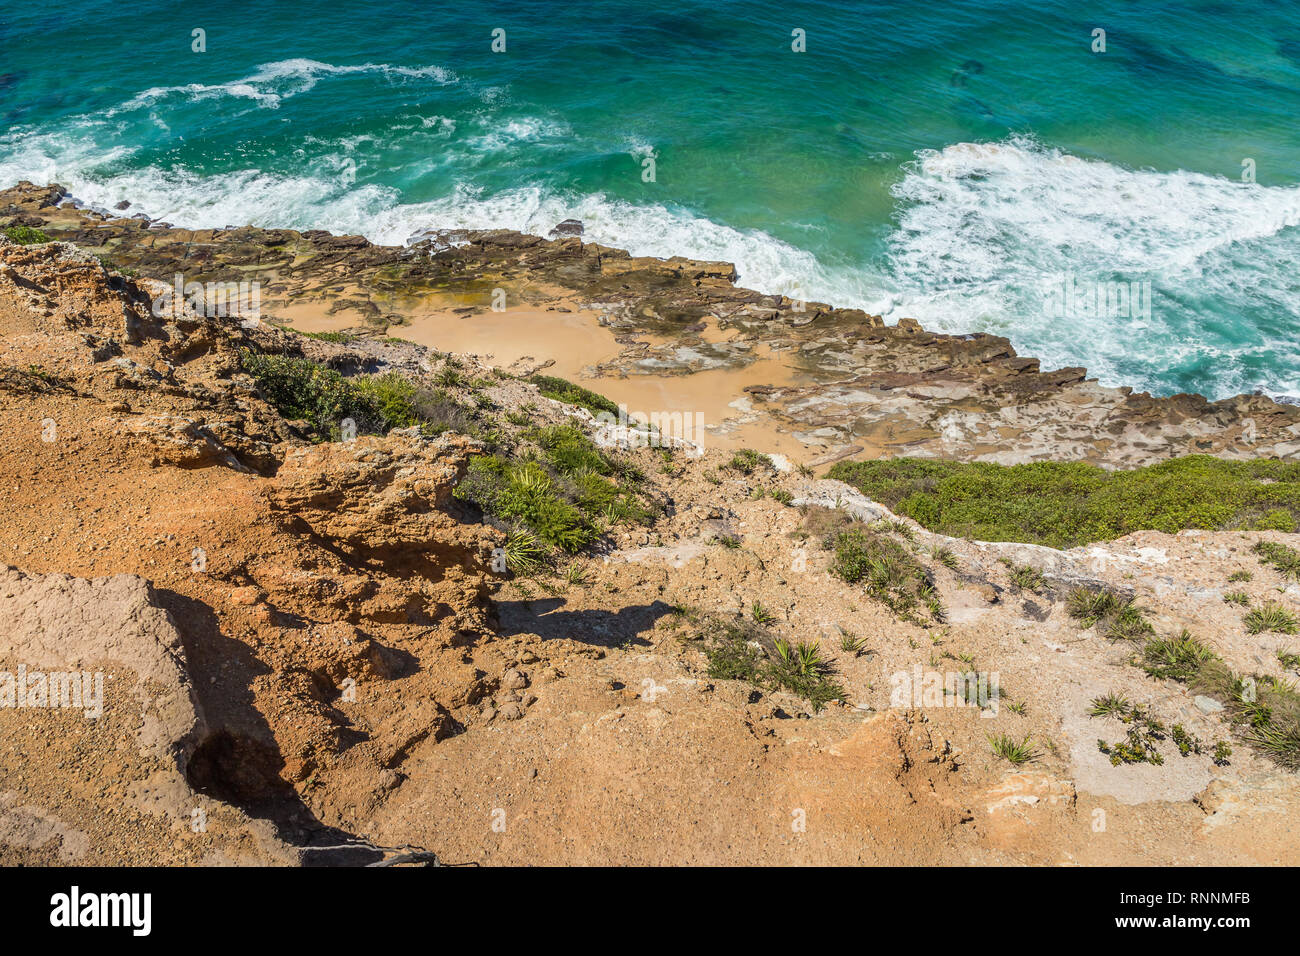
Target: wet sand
column 575, row 342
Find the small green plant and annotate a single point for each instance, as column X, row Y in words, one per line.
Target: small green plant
column 1111, row 705
column 524, row 554
column 1270, row 618
column 735, row 651
column 1118, row 618
column 761, row 614
column 449, row 377
column 1177, row 658
column 781, row 495
column 1011, row 750
column 1136, row 747
column 1027, row 578
column 25, row 235
column 575, row 574
column 747, row 460
column 1237, row 597
column 1222, row 751
column 1236, row 576
column 1282, row 558
column 857, row 646
column 1017, row 707
column 1288, row 659
column 945, row 556
column 1187, row 743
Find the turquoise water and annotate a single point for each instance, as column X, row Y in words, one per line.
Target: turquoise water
column 951, row 162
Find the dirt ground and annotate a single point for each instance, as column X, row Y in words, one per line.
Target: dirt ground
column 309, row 658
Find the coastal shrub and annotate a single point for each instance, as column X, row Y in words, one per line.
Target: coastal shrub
column 1117, row 618
column 1266, row 708
column 745, row 651
column 1065, row 504
column 301, row 389
column 747, row 460
column 562, row 488
column 562, row 390
column 889, row 571
column 336, row 338
column 306, row 390
column 1281, row 558
column 25, row 235
column 1011, row 750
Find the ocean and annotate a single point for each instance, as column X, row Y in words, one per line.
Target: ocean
column 1126, row 200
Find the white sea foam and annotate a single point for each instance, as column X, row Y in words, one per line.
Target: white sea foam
column 982, row 229
column 271, row 83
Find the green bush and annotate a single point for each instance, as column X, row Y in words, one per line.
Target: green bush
column 25, row 235
column 562, row 390
column 1064, row 504
column 302, row 389
column 888, row 570
column 732, row 649
column 566, row 494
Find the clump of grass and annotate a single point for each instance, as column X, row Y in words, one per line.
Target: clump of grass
column 566, row 492
column 945, row 556
column 1065, row 504
column 761, row 614
column 1268, row 706
column 1178, row 658
column 562, row 390
column 1027, row 578
column 740, row 651
column 524, row 554
column 1011, row 750
column 1272, row 618
column 1237, row 597
column 1236, row 576
column 781, row 495
column 889, row 571
column 25, row 235
column 1116, row 617
column 857, row 646
column 1282, row 558
column 336, row 338
column 1111, row 705
column 747, row 460
column 1288, row 659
